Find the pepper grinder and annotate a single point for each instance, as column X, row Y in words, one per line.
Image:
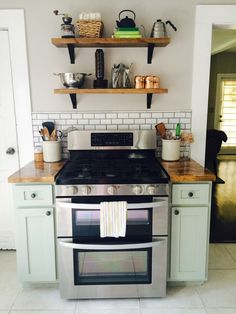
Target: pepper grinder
column 99, row 65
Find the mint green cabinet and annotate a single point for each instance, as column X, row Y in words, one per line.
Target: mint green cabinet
column 35, row 240
column 190, row 218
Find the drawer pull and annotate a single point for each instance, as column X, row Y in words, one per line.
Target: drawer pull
column 33, row 195
column 176, row 212
column 190, row 194
column 48, row 213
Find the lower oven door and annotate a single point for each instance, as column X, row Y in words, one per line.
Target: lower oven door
column 112, row 271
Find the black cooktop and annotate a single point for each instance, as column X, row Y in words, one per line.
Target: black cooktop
column 105, row 170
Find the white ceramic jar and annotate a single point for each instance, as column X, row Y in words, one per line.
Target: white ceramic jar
column 170, row 150
column 51, row 151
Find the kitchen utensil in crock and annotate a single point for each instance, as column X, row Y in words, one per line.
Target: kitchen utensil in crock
column 126, row 22
column 49, row 125
column 72, row 80
column 161, row 129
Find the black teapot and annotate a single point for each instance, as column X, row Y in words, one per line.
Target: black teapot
column 126, row 22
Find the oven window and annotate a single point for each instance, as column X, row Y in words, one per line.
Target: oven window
column 112, row 267
column 92, row 217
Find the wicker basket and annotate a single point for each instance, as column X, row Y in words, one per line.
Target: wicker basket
column 89, row 28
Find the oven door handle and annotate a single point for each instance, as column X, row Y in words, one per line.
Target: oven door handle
column 70, row 205
column 67, row 243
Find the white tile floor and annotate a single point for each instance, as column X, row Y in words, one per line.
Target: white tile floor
column 217, row 296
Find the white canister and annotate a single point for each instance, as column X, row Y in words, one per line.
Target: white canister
column 170, row 150
column 51, row 151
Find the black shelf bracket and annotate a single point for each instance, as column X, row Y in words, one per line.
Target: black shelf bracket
column 149, row 101
column 73, row 100
column 150, row 53
column 71, row 50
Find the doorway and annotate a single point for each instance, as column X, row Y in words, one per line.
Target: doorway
column 15, row 114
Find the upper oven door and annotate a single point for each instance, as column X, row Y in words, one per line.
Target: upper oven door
column 79, row 217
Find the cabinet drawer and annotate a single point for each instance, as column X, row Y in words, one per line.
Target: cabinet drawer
column 190, row 194
column 33, row 195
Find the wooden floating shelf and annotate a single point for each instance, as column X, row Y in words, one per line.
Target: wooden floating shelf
column 72, row 43
column 148, row 91
column 110, row 42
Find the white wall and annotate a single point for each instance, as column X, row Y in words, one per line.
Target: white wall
column 173, row 64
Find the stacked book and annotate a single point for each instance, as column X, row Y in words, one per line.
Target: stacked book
column 127, row 32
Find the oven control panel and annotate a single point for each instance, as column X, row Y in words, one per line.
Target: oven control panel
column 116, row 189
column 112, row 139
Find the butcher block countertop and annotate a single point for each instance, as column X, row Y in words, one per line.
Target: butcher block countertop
column 187, row 171
column 43, row 172
column 37, row 172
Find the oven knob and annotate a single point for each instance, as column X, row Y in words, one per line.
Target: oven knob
column 137, row 189
column 71, row 190
column 86, row 190
column 111, row 190
column 151, row 189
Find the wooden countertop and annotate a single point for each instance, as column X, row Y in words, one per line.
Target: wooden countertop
column 41, row 172
column 187, row 171
column 179, row 171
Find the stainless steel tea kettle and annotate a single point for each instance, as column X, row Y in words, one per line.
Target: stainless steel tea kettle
column 159, row 29
column 126, row 22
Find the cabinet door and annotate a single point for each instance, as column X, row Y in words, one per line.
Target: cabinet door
column 189, row 242
column 35, row 244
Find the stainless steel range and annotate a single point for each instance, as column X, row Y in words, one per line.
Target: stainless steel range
column 112, row 167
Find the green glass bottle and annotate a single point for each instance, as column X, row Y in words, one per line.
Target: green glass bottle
column 177, row 131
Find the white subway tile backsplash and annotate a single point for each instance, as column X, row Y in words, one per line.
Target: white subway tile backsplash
column 113, row 121
column 76, row 116
column 151, row 121
column 146, row 115
column 88, row 116
column 106, row 121
column 37, row 122
column 71, row 121
column 89, row 127
column 65, row 116
column 157, row 114
column 134, row 127
column 82, row 121
column 101, row 127
column 180, row 115
column 111, row 115
column 139, row 121
column 168, row 114
column 185, row 120
column 116, row 121
column 99, row 116
column 145, row 127
column 128, row 121
column 123, row 127
column 174, row 120
column 54, row 116
column 42, row 116
column 112, row 127
column 134, row 115
column 94, row 121
column 123, row 115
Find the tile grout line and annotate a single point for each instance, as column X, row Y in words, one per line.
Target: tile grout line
column 234, row 259
column 13, row 303
column 201, row 299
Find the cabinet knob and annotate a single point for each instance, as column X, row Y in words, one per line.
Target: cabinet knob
column 48, row 213
column 176, row 212
column 190, row 194
column 33, row 195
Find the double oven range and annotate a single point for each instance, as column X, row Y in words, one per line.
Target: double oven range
column 112, row 167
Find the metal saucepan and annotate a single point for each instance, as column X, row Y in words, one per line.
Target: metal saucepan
column 72, row 80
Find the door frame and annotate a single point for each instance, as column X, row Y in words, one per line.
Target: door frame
column 14, row 22
column 207, row 16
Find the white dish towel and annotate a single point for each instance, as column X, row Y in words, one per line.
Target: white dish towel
column 113, row 217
